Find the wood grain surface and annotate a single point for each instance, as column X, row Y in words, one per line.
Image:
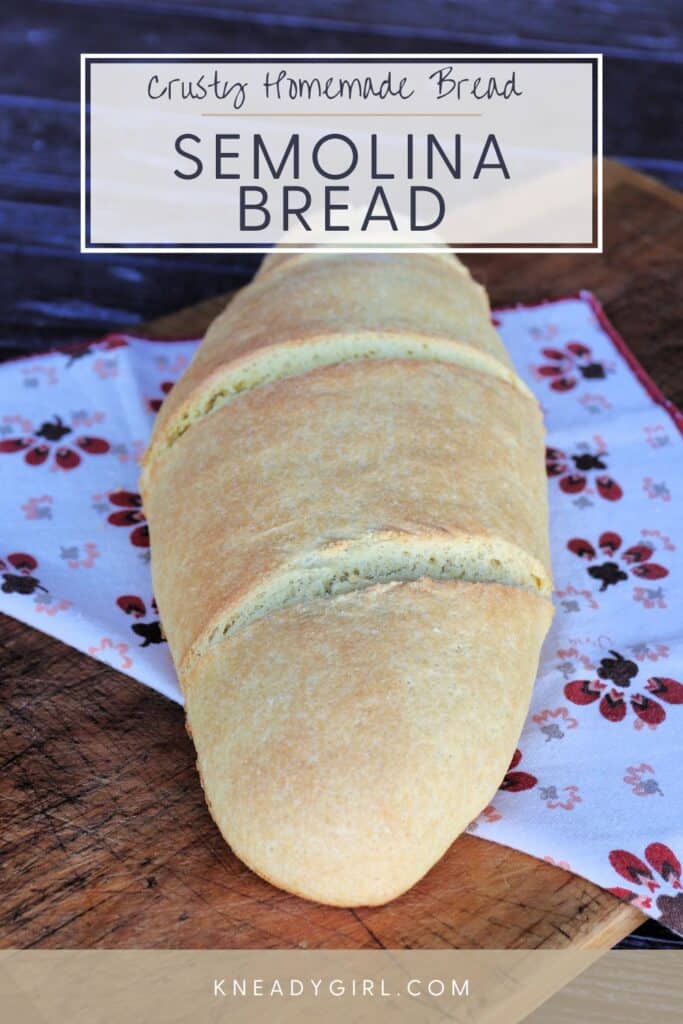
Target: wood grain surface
column 104, row 836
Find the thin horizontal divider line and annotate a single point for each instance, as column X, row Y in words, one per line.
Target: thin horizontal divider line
column 334, row 114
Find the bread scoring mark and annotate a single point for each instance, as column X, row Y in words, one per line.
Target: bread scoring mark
column 340, row 567
column 291, row 359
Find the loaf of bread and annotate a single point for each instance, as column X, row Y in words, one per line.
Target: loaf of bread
column 347, row 506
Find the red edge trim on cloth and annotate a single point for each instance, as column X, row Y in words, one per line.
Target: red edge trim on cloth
column 639, row 370
column 608, row 327
column 617, row 340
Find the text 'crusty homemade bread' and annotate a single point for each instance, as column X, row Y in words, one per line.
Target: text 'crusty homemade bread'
column 346, row 500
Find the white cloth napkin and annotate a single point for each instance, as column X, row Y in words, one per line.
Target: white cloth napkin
column 595, row 786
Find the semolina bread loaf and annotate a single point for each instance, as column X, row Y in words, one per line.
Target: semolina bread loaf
column 347, row 507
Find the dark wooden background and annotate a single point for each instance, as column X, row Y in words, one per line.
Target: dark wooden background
column 50, row 294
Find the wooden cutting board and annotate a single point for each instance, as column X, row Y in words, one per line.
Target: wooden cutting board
column 106, row 840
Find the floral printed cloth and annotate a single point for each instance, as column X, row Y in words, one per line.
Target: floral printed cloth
column 595, row 785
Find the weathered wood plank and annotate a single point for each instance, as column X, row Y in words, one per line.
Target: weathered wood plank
column 40, row 142
column 51, row 297
column 650, row 29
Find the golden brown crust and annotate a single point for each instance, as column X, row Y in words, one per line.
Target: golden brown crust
column 345, row 743
column 397, row 295
column 289, row 359
column 277, row 261
column 381, row 458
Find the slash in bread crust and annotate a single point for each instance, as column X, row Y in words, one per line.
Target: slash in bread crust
column 385, row 470
column 293, row 358
column 392, row 305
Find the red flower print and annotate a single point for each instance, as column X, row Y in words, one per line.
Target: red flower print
column 564, row 366
column 107, row 648
column 636, row 560
column 573, row 472
column 46, row 442
column 17, row 574
column 666, row 689
column 571, row 599
column 134, row 606
column 656, row 436
column 594, row 403
column 156, row 403
column 553, row 722
column 656, row 489
column 566, row 800
column 659, row 866
column 618, row 669
column 649, row 651
column 613, row 703
column 129, row 513
column 515, row 782
column 641, row 779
